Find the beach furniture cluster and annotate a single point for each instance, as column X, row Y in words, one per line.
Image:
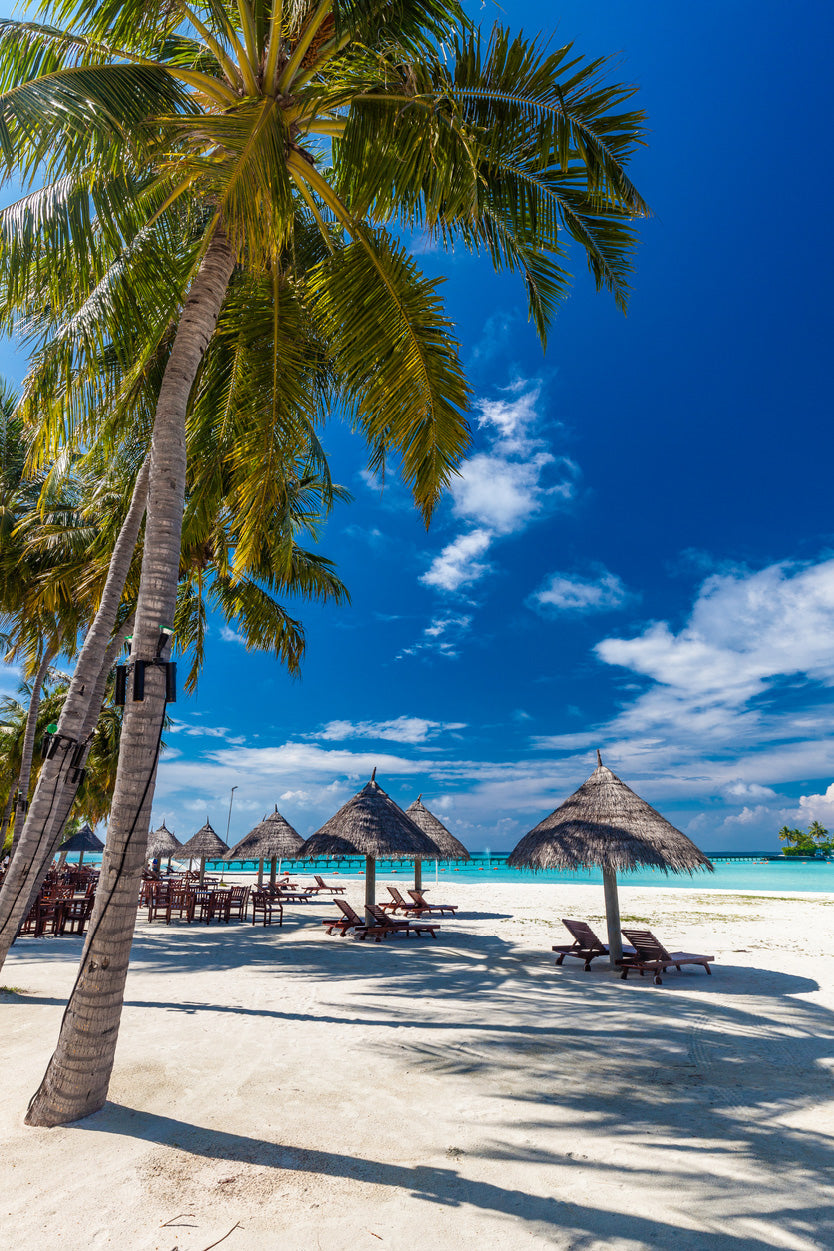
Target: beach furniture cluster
column 63, row 904
column 645, row 953
column 377, row 926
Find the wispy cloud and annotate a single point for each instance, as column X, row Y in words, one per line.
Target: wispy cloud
column 602, row 591
column 228, row 635
column 459, row 563
column 399, row 730
column 441, row 636
column 502, row 489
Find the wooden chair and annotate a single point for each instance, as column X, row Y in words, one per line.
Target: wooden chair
column 238, row 902
column 424, row 905
column 169, row 898
column 265, row 903
column 651, row 956
column 388, row 927
column 75, row 913
column 585, row 946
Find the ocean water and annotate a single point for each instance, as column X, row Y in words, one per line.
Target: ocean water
column 767, row 875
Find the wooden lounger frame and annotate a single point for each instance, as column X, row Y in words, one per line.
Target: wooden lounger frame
column 652, row 957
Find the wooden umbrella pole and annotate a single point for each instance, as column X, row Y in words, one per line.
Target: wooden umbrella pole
column 273, row 862
column 418, row 875
column 202, row 869
column 260, row 872
column 370, row 888
column 612, row 915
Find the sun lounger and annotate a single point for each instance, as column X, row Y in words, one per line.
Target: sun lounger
column 388, row 927
column 651, row 956
column 585, row 946
column 321, row 885
column 349, row 920
column 423, row 904
column 295, row 896
column 397, row 902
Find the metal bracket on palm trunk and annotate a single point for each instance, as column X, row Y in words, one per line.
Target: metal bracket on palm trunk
column 137, row 668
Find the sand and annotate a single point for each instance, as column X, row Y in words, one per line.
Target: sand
column 306, row 1092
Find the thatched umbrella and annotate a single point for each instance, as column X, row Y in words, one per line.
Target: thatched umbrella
column 450, row 847
column 161, row 843
column 373, row 826
column 272, row 839
column 604, row 823
column 82, row 840
column 205, row 844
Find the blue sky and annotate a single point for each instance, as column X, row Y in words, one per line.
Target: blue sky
column 639, row 554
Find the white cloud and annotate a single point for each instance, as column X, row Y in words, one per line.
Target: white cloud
column 458, row 563
column 228, row 635
column 441, row 636
column 817, row 808
column 746, row 630
column 501, row 490
column 564, row 592
column 400, row 730
column 505, row 495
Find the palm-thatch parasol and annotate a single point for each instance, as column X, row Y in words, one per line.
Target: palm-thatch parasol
column 82, row 840
column 272, row 839
column 205, row 844
column 161, row 843
column 450, row 847
column 604, row 823
column 373, row 826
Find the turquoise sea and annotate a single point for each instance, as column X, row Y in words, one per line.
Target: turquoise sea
column 730, row 874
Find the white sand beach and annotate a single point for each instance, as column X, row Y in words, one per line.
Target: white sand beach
column 308, row 1092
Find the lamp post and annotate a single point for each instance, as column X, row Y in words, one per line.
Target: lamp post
column 229, row 818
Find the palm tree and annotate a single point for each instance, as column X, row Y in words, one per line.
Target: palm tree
column 233, row 111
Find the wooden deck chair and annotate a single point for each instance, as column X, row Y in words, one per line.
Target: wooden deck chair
column 349, row 920
column 585, row 946
column 424, row 905
column 388, row 926
column 397, row 901
column 322, row 885
column 651, row 956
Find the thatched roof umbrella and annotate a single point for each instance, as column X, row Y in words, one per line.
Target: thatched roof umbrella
column 82, row 840
column 272, row 839
column 161, row 843
column 373, row 826
column 450, row 847
column 205, row 844
column 604, row 823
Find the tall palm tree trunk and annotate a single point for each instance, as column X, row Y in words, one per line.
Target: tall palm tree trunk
column 24, row 777
column 78, row 1075
column 57, row 782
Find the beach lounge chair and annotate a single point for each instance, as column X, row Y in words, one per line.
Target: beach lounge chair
column 349, row 920
column 651, row 956
column 397, row 901
column 295, row 896
column 388, row 927
column 585, row 946
column 322, row 885
column 424, row 905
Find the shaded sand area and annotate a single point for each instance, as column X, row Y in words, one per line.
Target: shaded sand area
column 315, row 1093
